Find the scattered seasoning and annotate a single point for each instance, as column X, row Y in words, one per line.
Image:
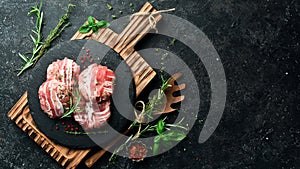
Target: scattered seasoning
column 85, row 133
column 132, row 10
column 121, row 12
column 200, row 121
column 86, row 59
column 122, row 3
column 137, row 151
column 109, row 6
column 113, row 16
column 172, row 42
column 131, row 4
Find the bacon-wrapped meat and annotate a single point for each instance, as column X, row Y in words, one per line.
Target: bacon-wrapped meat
column 66, row 71
column 53, row 96
column 96, row 86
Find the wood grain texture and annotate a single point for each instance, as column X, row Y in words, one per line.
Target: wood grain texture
column 68, row 158
column 142, row 72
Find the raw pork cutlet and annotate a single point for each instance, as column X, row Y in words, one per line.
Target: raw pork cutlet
column 95, row 86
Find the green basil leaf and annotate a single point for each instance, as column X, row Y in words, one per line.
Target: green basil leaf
column 91, row 20
column 95, row 29
column 173, row 136
column 160, row 126
column 102, row 24
column 177, row 136
column 167, row 144
column 84, row 28
column 156, row 139
column 155, row 148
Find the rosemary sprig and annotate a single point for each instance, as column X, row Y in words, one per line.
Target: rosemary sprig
column 37, row 10
column 156, row 100
column 40, row 48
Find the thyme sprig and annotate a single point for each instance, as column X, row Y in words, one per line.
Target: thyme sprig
column 86, row 133
column 155, row 102
column 40, row 47
column 73, row 107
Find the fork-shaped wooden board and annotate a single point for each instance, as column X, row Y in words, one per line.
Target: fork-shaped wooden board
column 123, row 44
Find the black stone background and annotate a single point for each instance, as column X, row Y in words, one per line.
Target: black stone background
column 258, row 43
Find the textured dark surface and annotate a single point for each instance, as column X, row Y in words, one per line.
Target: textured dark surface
column 258, row 43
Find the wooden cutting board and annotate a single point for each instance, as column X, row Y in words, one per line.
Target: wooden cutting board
column 123, row 44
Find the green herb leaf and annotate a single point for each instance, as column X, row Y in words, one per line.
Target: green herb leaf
column 102, row 24
column 173, row 136
column 91, row 25
column 156, row 139
column 23, row 57
column 95, row 29
column 109, row 6
column 155, row 148
column 91, row 20
column 84, row 28
column 160, row 126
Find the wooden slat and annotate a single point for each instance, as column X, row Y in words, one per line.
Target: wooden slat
column 20, row 113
